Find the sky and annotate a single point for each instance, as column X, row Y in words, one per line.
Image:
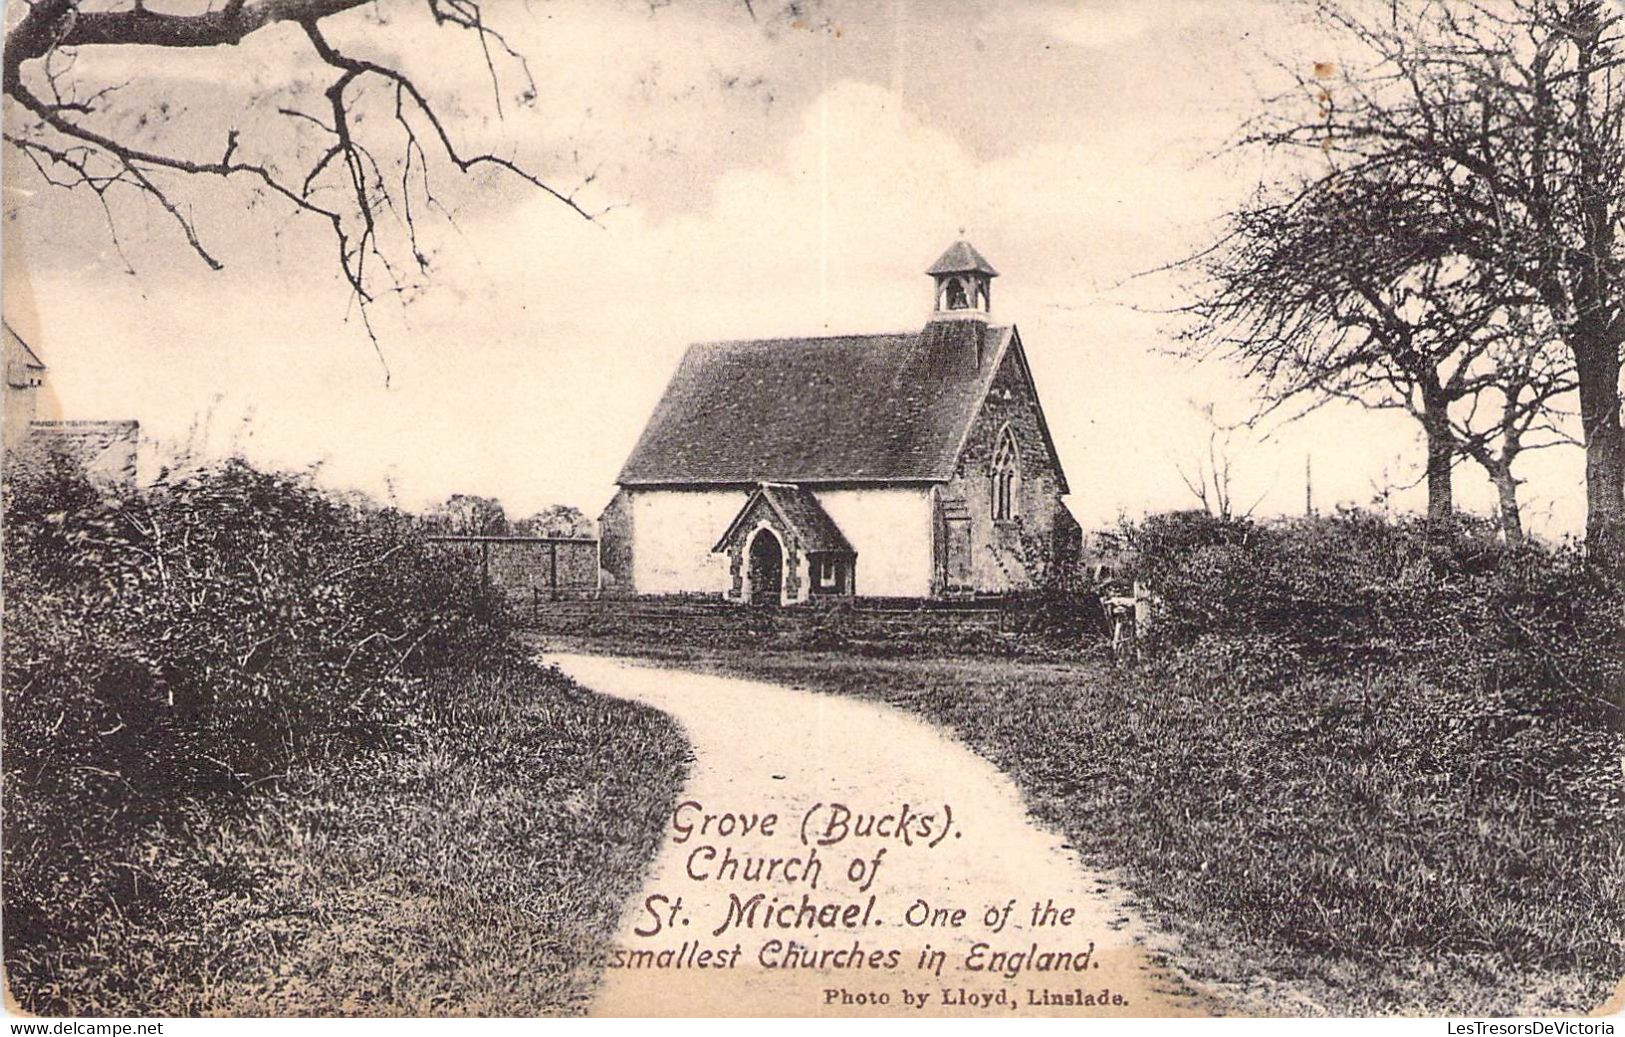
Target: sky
column 788, row 173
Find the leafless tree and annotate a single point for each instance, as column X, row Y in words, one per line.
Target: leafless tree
column 1209, row 477
column 1500, row 125
column 1351, row 290
column 379, row 136
column 1516, row 409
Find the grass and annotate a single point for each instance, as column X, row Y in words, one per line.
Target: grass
column 476, row 867
column 1300, row 845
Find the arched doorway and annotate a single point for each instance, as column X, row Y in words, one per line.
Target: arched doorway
column 766, row 569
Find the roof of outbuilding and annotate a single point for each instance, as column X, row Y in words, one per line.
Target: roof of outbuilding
column 855, row 408
column 28, row 356
column 960, row 258
column 799, row 510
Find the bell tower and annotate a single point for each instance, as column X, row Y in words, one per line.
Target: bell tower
column 964, row 284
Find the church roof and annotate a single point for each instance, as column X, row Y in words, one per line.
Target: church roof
column 852, row 408
column 801, row 512
column 960, row 258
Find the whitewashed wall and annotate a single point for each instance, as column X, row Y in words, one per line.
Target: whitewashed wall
column 673, row 532
column 890, row 528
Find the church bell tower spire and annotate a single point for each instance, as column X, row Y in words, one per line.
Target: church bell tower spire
column 964, row 284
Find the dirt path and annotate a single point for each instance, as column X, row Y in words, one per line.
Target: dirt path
column 762, row 748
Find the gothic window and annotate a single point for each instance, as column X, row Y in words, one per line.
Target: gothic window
column 956, row 295
column 1006, row 476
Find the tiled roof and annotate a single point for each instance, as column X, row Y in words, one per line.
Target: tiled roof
column 23, row 366
column 29, row 357
column 960, row 258
column 799, row 510
column 856, row 408
column 818, row 532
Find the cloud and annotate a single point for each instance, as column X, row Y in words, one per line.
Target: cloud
column 527, row 371
column 1102, row 23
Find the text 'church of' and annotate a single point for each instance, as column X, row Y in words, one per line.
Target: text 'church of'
column 912, row 465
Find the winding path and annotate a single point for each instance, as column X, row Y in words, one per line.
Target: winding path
column 763, row 748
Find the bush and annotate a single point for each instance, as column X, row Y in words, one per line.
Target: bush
column 1357, row 589
column 176, row 645
column 1510, row 660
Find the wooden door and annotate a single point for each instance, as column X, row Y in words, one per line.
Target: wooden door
column 766, row 570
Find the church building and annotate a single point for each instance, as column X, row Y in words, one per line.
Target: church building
column 913, row 465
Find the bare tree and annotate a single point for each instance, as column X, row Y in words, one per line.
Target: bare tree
column 1503, row 122
column 1208, row 476
column 1346, row 290
column 368, row 178
column 1515, row 411
column 1328, row 291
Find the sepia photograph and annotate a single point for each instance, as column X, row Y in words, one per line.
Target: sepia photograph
column 813, row 508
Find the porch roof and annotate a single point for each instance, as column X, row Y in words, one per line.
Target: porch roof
column 800, row 512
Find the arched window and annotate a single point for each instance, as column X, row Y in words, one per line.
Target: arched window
column 1006, row 476
column 956, row 295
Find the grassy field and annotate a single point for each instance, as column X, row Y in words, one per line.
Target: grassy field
column 477, row 867
column 1299, row 847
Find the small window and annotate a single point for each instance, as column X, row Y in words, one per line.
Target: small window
column 829, row 574
column 956, row 295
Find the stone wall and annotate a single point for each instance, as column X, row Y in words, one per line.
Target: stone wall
column 615, row 551
column 1019, row 553
column 17, row 414
column 532, row 568
column 659, row 541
